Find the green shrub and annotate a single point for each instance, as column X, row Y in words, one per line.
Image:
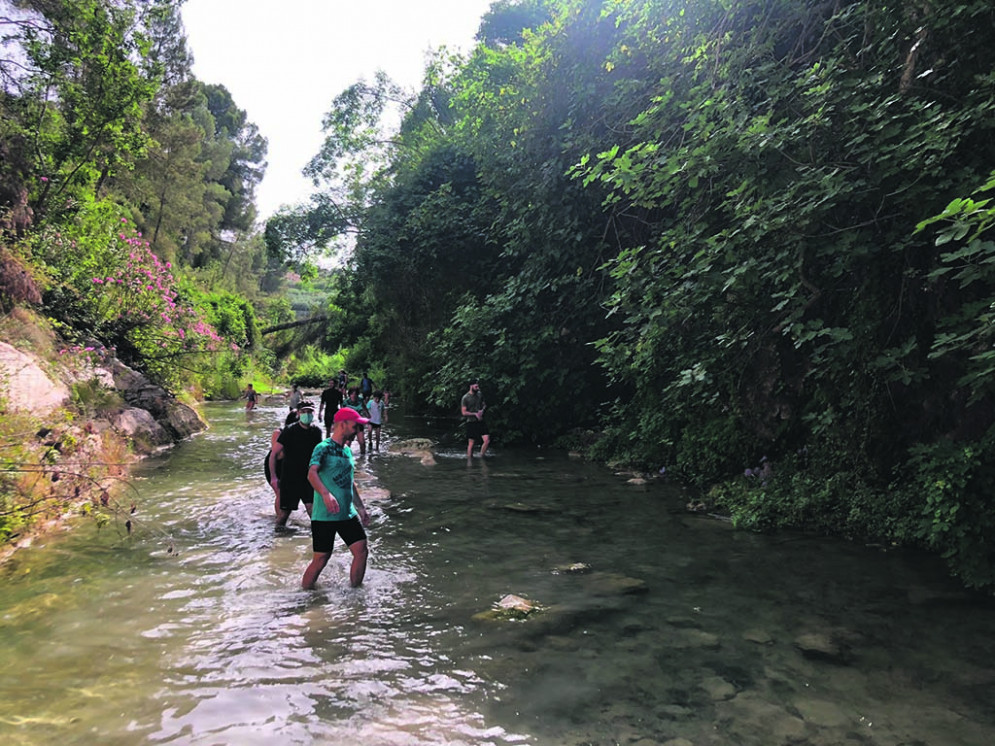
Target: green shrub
column 955, row 483
column 711, row 449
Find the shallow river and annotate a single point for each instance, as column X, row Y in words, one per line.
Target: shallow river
column 655, row 624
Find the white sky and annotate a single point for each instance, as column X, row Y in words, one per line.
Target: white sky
column 285, row 61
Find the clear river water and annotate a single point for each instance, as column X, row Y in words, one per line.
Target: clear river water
column 654, row 625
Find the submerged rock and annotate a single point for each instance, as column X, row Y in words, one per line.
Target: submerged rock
column 753, row 719
column 521, row 507
column 822, row 713
column 820, row 646
column 718, row 689
column 613, row 584
column 758, row 636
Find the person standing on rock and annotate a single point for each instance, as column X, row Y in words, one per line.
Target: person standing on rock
column 338, row 508
column 472, row 408
column 294, row 445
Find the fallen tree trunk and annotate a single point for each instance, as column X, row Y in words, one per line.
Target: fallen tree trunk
column 293, row 324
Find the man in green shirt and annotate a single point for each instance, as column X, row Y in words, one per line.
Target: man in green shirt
column 472, row 408
column 338, row 508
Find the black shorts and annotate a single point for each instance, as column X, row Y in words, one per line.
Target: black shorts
column 323, row 534
column 292, row 495
column 476, row 429
column 375, row 425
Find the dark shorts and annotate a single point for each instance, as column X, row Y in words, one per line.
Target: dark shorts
column 323, row 534
column 476, row 429
column 292, row 495
column 375, row 425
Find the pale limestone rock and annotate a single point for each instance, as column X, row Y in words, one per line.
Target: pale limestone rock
column 25, row 386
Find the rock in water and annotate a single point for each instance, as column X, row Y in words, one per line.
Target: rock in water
column 517, row 603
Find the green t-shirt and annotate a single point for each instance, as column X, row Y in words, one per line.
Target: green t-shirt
column 473, row 403
column 336, row 468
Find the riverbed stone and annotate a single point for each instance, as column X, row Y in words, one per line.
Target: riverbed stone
column 758, row 636
column 678, row 742
column 717, row 688
column 683, row 622
column 520, row 507
column 753, row 719
column 700, row 639
column 373, row 493
column 612, row 584
column 674, row 712
column 822, row 713
column 823, row 647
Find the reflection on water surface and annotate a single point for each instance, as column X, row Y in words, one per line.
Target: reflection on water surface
column 655, row 625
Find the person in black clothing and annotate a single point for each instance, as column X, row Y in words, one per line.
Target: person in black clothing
column 290, row 420
column 366, row 386
column 294, row 445
column 331, row 398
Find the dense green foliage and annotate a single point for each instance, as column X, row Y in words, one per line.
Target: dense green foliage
column 127, row 190
column 731, row 235
column 127, row 226
column 747, row 241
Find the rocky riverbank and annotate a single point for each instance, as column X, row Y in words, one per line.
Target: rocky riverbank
column 71, row 422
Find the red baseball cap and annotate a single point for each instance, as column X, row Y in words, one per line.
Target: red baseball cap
column 348, row 414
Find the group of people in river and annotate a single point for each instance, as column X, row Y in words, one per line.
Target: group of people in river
column 302, row 467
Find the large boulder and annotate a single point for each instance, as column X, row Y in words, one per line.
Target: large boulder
column 138, row 426
column 179, row 420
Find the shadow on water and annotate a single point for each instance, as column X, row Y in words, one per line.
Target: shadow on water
column 654, row 624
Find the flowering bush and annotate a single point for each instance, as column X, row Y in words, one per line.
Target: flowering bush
column 123, row 294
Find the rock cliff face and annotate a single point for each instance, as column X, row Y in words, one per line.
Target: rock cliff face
column 25, row 385
column 151, row 419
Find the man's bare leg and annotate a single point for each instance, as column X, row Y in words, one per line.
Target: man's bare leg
column 318, row 562
column 360, row 551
